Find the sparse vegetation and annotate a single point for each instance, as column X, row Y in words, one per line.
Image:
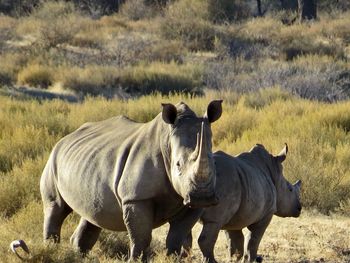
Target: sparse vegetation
column 137, row 9
column 247, row 56
column 280, row 81
column 36, row 76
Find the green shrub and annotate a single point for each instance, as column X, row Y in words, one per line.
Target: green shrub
column 234, row 122
column 7, row 24
column 35, row 75
column 136, row 10
column 25, row 143
column 333, row 6
column 264, row 97
column 20, row 187
column 187, row 20
column 168, row 51
column 228, row 10
column 130, row 49
column 18, row 7
column 311, row 77
column 7, row 71
column 161, row 77
column 64, row 23
column 93, row 80
column 10, row 65
column 137, row 80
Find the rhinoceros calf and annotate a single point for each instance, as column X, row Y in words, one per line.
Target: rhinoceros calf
column 122, row 175
column 251, row 189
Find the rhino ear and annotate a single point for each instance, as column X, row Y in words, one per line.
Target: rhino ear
column 169, row 113
column 283, row 154
column 214, row 110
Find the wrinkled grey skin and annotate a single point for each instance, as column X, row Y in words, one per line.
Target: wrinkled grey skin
column 121, row 175
column 251, row 189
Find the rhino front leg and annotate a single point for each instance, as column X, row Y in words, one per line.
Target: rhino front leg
column 235, row 243
column 207, row 240
column 85, row 236
column 187, row 245
column 180, row 228
column 253, row 238
column 138, row 219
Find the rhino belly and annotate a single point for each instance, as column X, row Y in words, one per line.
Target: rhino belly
column 251, row 211
column 91, row 195
column 98, row 206
column 242, row 220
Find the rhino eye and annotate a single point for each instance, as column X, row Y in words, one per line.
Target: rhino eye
column 290, row 188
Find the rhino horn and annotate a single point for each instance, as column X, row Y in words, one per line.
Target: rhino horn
column 283, row 154
column 202, row 164
column 203, row 146
column 297, row 184
column 16, row 244
column 196, row 150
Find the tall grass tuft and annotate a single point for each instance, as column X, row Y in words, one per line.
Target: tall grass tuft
column 36, row 76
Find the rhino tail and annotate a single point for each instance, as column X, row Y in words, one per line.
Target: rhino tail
column 19, row 243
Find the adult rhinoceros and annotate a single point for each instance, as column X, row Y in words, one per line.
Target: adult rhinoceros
column 122, row 175
column 251, row 189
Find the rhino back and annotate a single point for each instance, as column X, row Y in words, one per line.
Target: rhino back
column 252, row 193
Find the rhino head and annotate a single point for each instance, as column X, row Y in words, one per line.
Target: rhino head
column 192, row 170
column 288, row 195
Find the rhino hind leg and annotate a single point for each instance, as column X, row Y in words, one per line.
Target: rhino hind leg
column 235, row 243
column 253, row 238
column 85, row 236
column 180, row 231
column 54, row 214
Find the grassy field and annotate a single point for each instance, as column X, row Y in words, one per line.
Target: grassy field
column 281, row 83
column 311, row 238
column 317, row 134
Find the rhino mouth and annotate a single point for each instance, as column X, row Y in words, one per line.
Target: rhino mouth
column 199, row 201
column 298, row 211
column 295, row 212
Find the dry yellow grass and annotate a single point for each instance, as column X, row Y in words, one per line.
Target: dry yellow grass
column 317, row 133
column 311, row 238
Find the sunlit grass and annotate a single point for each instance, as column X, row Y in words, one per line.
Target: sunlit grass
column 93, row 57
column 316, row 133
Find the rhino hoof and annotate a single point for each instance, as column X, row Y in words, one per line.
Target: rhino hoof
column 259, row 259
